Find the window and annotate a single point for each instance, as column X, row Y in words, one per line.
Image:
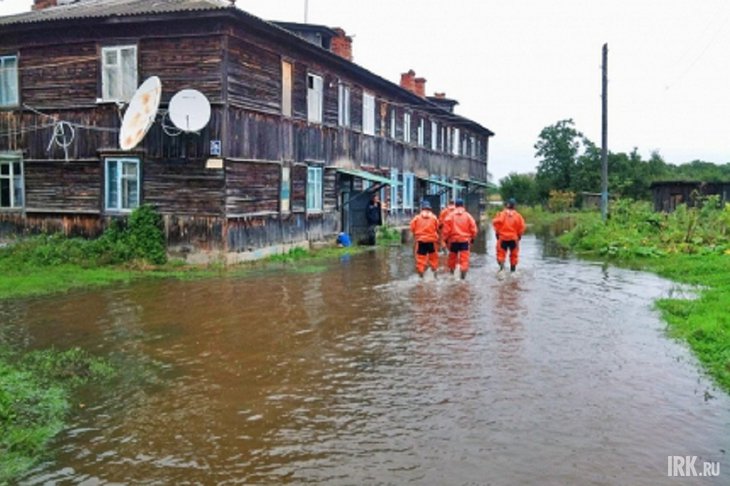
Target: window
column 343, row 107
column 447, row 143
column 455, row 144
column 11, row 184
column 393, row 190
column 408, row 184
column 118, row 72
column 314, row 98
column 392, row 123
column 285, row 190
column 286, row 82
column 9, row 81
column 368, row 114
column 434, row 135
column 421, row 131
column 314, row 188
column 473, row 144
column 407, row 127
column 122, row 184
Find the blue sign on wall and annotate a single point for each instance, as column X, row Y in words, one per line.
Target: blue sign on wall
column 215, row 147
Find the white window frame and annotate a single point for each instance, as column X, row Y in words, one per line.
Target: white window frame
column 14, row 181
column 455, row 141
column 407, row 127
column 434, row 135
column 287, row 77
column 123, row 84
column 122, row 202
column 421, row 132
column 9, row 81
column 393, row 206
column 368, row 113
column 343, row 105
column 408, row 187
column 315, row 181
column 315, row 98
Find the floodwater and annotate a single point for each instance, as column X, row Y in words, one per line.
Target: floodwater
column 356, row 372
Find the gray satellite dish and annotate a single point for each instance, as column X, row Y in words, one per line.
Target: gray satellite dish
column 189, row 110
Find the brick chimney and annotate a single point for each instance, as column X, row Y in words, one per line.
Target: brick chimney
column 41, row 4
column 420, row 87
column 341, row 44
column 408, row 81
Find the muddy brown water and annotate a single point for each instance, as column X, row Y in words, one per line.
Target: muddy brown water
column 354, row 371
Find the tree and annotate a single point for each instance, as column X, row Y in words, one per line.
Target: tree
column 522, row 187
column 558, row 148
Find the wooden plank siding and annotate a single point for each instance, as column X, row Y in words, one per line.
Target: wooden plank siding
column 236, row 208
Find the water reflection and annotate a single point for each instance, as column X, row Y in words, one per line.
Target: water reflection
column 364, row 374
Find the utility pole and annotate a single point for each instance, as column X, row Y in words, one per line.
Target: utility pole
column 604, row 137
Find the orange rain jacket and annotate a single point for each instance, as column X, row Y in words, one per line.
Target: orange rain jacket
column 509, row 225
column 425, row 227
column 459, row 227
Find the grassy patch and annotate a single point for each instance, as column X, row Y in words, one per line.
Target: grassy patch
column 35, row 391
column 691, row 245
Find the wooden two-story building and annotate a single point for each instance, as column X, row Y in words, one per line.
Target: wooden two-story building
column 297, row 130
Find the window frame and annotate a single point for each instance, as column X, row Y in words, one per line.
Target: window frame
column 393, row 206
column 285, row 191
column 315, row 98
column 287, row 82
column 14, row 182
column 118, row 94
column 344, row 105
column 11, row 76
column 434, row 135
column 315, row 189
column 368, row 113
column 407, row 127
column 409, row 180
column 121, row 177
column 421, row 132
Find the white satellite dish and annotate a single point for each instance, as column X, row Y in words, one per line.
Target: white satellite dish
column 189, row 110
column 141, row 113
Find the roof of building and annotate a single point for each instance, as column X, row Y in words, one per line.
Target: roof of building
column 89, row 9
column 84, row 10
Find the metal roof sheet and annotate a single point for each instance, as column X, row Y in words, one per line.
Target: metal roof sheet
column 88, row 9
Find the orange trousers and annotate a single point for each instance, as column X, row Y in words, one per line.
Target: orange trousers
column 513, row 246
column 426, row 256
column 459, row 254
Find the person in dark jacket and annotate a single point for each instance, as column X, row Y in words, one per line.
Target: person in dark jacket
column 374, row 215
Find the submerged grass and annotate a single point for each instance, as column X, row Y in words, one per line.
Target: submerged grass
column 35, row 390
column 691, row 245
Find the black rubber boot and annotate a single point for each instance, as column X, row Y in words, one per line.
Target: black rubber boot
column 512, row 268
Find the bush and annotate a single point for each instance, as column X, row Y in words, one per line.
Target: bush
column 139, row 238
column 634, row 229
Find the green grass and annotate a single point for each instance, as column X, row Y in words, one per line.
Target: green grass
column 689, row 246
column 35, row 397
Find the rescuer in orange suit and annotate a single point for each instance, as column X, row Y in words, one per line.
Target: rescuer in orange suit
column 509, row 225
column 459, row 231
column 425, row 226
column 442, row 217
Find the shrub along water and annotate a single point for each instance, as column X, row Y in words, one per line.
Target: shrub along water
column 690, row 245
column 46, row 263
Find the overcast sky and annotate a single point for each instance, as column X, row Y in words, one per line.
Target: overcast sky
column 518, row 66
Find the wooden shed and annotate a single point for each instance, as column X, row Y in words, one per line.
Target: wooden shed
column 668, row 195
